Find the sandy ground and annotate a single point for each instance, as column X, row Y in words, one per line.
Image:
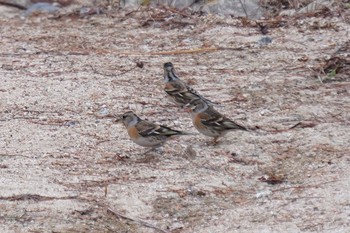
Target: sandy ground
column 67, row 167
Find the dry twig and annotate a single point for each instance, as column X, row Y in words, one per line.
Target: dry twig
column 141, row 222
column 304, row 186
column 15, row 5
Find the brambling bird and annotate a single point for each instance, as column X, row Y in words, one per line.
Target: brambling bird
column 177, row 90
column 146, row 133
column 210, row 122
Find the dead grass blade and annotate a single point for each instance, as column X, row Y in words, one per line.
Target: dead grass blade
column 305, row 186
column 141, row 222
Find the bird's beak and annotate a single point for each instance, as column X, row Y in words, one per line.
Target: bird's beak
column 187, row 108
column 117, row 118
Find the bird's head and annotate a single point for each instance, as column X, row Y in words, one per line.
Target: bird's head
column 169, row 72
column 129, row 118
column 196, row 106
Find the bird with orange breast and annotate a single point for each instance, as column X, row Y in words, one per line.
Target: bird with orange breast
column 146, row 133
column 210, row 122
column 178, row 91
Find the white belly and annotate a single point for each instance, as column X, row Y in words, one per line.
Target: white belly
column 150, row 141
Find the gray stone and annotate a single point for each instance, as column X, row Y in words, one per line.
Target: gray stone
column 312, row 7
column 264, row 41
column 316, row 5
column 241, row 8
column 41, row 7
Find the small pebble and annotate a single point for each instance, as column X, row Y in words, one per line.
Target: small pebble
column 263, row 193
column 104, row 111
column 41, row 7
column 264, row 41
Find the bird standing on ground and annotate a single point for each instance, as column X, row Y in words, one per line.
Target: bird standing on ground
column 146, row 133
column 177, row 90
column 210, row 122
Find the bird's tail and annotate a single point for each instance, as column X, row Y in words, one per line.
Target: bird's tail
column 234, row 126
column 211, row 103
column 166, row 131
column 187, row 133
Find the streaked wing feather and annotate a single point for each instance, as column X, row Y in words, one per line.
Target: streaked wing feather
column 194, row 92
column 183, row 93
column 175, row 87
column 229, row 124
column 166, row 131
column 211, row 117
column 216, row 120
column 181, row 90
column 146, row 128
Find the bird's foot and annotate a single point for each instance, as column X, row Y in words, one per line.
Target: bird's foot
column 157, row 150
column 213, row 142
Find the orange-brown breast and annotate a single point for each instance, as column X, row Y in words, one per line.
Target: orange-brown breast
column 168, row 87
column 133, row 133
column 198, row 122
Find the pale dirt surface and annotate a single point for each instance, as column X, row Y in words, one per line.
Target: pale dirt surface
column 64, row 162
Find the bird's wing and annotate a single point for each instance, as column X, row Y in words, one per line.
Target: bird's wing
column 184, row 93
column 147, row 128
column 178, row 88
column 166, row 131
column 214, row 119
column 175, row 86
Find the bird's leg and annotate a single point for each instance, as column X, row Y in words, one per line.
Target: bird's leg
column 147, row 151
column 215, row 141
column 158, row 150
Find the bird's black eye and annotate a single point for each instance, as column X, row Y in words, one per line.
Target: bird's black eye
column 124, row 117
column 168, row 65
